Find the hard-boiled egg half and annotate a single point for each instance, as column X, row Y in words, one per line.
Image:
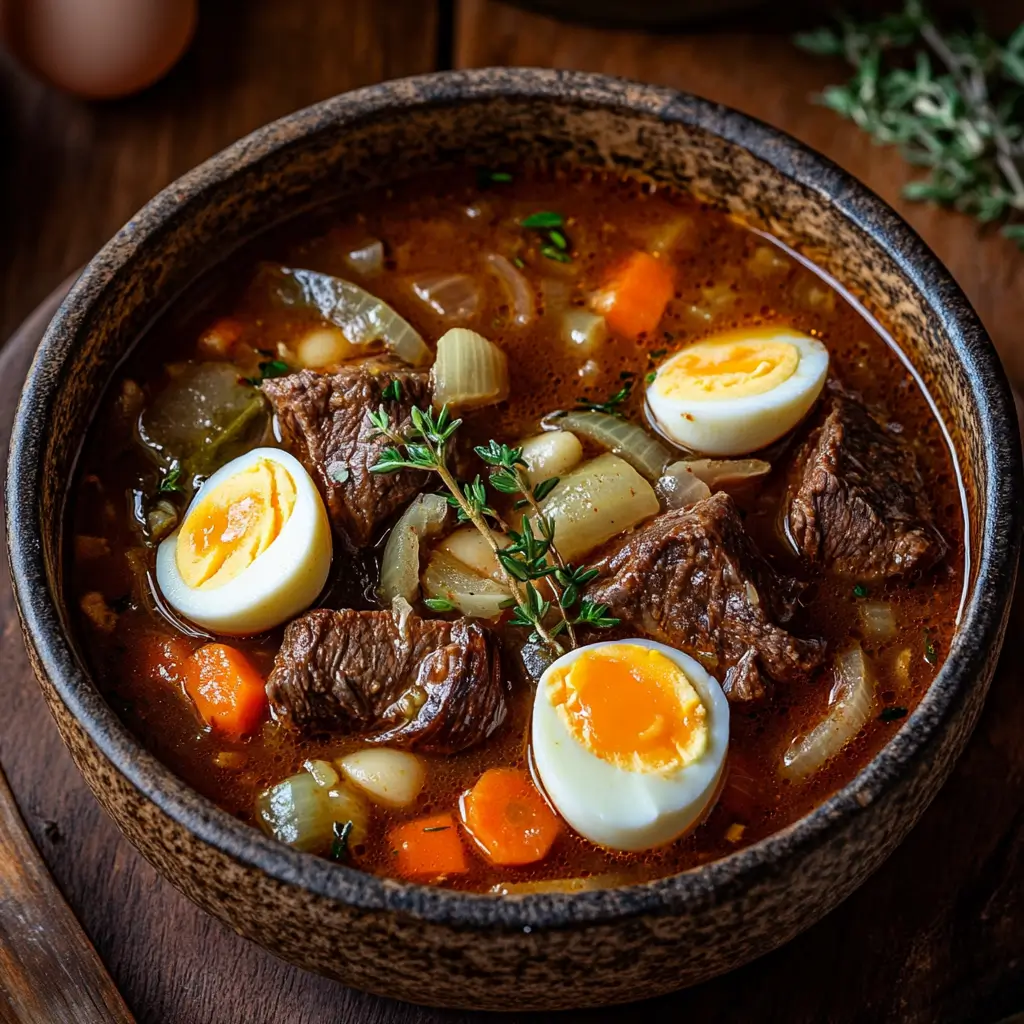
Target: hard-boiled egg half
column 629, row 742
column 254, row 548
column 736, row 392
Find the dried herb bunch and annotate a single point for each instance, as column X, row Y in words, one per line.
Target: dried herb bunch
column 952, row 101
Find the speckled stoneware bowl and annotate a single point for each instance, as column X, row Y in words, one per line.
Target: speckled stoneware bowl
column 537, row 951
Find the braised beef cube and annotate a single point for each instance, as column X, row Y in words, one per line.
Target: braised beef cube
column 857, row 504
column 417, row 683
column 694, row 579
column 323, row 422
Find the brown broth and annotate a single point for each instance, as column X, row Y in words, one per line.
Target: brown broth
column 728, row 276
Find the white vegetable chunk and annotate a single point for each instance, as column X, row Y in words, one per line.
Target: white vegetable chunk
column 325, row 346
column 392, row 778
column 302, row 813
column 595, row 502
column 467, row 544
column 400, row 566
column 474, row 595
column 550, row 454
column 470, row 371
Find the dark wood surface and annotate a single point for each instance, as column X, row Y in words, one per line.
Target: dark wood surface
column 937, row 934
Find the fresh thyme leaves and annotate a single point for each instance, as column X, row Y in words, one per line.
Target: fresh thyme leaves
column 170, row 482
column 931, row 655
column 611, row 404
column 892, row 714
column 393, row 392
column 542, row 219
column 953, row 102
column 549, row 223
column 544, row 488
column 269, row 369
column 651, row 377
column 485, row 178
column 438, row 604
column 339, row 847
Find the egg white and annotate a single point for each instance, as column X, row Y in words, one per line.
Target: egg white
column 620, row 809
column 280, row 582
column 739, row 425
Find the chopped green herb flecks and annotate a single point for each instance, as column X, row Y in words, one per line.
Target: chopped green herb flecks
column 393, row 392
column 518, row 262
column 651, row 377
column 552, row 252
column 892, row 714
column 931, row 655
column 543, row 219
column 339, row 847
column 486, row 178
column 170, row 482
column 438, row 604
column 860, row 590
column 611, row 404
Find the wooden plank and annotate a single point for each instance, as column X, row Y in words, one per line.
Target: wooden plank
column 72, row 173
column 763, row 74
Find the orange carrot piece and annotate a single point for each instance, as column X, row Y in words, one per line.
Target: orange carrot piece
column 227, row 690
column 508, row 818
column 158, row 656
column 428, row 848
column 634, row 300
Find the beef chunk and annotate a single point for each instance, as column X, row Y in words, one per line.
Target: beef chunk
column 693, row 579
column 322, row 418
column 418, row 683
column 857, row 503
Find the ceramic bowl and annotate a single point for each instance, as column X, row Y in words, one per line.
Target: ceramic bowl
column 543, row 950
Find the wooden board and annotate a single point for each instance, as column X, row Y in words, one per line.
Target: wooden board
column 938, row 933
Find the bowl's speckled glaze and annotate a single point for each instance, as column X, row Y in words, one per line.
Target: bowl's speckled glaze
column 552, row 950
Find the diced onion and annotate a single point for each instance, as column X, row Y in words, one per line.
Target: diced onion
column 451, row 296
column 449, row 579
column 642, row 451
column 583, row 331
column 367, row 259
column 470, row 371
column 468, row 545
column 595, row 502
column 850, row 706
column 400, row 565
column 517, row 289
column 323, row 772
column 392, row 778
column 878, row 620
column 550, row 454
column 718, row 473
column 324, row 346
column 363, row 317
column 680, row 487
column 302, row 813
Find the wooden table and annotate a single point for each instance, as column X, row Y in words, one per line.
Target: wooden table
column 937, row 934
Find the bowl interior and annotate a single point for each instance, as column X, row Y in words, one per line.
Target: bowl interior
column 491, row 118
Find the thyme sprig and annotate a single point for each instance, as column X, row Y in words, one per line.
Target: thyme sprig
column 953, row 102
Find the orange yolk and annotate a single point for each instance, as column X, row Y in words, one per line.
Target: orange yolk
column 732, row 365
column 631, row 706
column 233, row 524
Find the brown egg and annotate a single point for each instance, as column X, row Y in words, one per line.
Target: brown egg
column 99, row 48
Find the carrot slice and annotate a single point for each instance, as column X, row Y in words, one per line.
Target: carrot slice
column 428, row 848
column 508, row 818
column 227, row 689
column 634, row 300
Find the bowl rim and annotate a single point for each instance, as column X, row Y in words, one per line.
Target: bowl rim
column 983, row 613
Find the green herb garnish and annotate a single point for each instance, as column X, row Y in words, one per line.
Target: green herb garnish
column 542, row 220
column 860, row 590
column 952, row 101
column 892, row 714
column 651, row 377
column 931, row 655
column 611, row 404
column 438, row 604
column 485, row 177
column 339, row 847
column 393, row 392
column 170, row 482
column 552, row 252
column 518, row 262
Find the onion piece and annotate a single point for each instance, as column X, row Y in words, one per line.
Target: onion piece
column 517, row 289
column 718, row 473
column 449, row 579
column 470, row 371
column 367, row 259
column 878, row 620
column 400, row 564
column 451, row 296
column 302, row 813
column 550, row 454
column 468, row 546
column 391, row 778
column 363, row 317
column 642, row 451
column 595, row 502
column 850, row 707
column 583, row 331
column 680, row 487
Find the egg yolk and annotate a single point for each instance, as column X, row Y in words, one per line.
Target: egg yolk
column 631, row 706
column 731, row 366
column 233, row 524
